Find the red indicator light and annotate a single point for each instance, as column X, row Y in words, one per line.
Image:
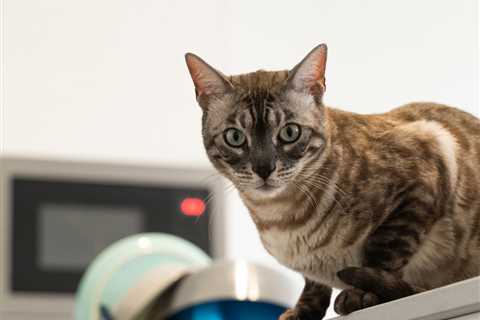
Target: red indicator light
column 192, row 207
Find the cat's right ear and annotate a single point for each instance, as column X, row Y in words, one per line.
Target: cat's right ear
column 309, row 74
column 208, row 81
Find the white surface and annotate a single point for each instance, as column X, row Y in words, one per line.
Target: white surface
column 106, row 80
column 448, row 302
column 472, row 316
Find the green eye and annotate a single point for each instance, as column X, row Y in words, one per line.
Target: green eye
column 234, row 137
column 290, row 133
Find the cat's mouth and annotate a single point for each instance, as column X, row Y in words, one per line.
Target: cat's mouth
column 266, row 187
column 267, row 190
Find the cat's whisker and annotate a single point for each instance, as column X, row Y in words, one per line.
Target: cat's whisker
column 327, row 181
column 312, row 172
column 332, row 196
column 312, row 200
column 316, row 175
column 299, row 189
column 321, row 182
column 216, row 209
column 320, row 176
column 211, row 177
column 317, row 187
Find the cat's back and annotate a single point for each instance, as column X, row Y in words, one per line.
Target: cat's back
column 427, row 111
column 456, row 132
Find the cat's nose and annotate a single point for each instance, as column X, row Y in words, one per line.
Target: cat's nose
column 265, row 169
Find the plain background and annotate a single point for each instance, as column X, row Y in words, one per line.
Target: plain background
column 106, row 80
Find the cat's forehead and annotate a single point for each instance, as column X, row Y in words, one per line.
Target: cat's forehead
column 260, row 81
column 268, row 88
column 260, row 95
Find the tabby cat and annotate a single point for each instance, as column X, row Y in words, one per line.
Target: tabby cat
column 382, row 206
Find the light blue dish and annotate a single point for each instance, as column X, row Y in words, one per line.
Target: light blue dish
column 120, row 266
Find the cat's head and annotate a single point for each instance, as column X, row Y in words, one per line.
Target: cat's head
column 263, row 130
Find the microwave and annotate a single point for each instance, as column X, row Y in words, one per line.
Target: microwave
column 56, row 216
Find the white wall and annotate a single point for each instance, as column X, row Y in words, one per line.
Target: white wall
column 106, row 80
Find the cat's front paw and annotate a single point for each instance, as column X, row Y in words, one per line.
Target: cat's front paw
column 290, row 314
column 301, row 314
column 351, row 300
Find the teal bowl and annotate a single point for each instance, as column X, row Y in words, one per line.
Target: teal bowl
column 131, row 268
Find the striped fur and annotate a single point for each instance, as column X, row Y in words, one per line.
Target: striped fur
column 391, row 199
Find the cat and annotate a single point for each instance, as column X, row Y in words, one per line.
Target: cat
column 381, row 206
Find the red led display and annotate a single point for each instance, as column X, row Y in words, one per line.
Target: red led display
column 192, row 207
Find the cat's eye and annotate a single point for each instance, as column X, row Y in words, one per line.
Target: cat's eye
column 234, row 137
column 290, row 133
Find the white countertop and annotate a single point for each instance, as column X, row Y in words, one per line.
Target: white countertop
column 461, row 299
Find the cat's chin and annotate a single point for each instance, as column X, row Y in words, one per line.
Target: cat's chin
column 265, row 191
column 267, row 188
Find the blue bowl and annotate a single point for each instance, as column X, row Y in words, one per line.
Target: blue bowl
column 230, row 310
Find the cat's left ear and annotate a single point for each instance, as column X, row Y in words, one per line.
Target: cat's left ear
column 309, row 74
column 207, row 80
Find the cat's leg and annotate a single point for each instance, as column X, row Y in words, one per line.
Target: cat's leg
column 313, row 303
column 386, row 253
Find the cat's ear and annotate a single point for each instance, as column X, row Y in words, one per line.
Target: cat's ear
column 309, row 74
column 206, row 79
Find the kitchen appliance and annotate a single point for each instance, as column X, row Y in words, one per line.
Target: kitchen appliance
column 56, row 216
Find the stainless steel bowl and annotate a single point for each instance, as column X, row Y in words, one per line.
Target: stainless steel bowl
column 237, row 281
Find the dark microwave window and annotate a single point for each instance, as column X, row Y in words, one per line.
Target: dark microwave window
column 60, row 226
column 89, row 229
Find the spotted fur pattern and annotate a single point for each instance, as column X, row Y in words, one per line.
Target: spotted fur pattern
column 382, row 206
